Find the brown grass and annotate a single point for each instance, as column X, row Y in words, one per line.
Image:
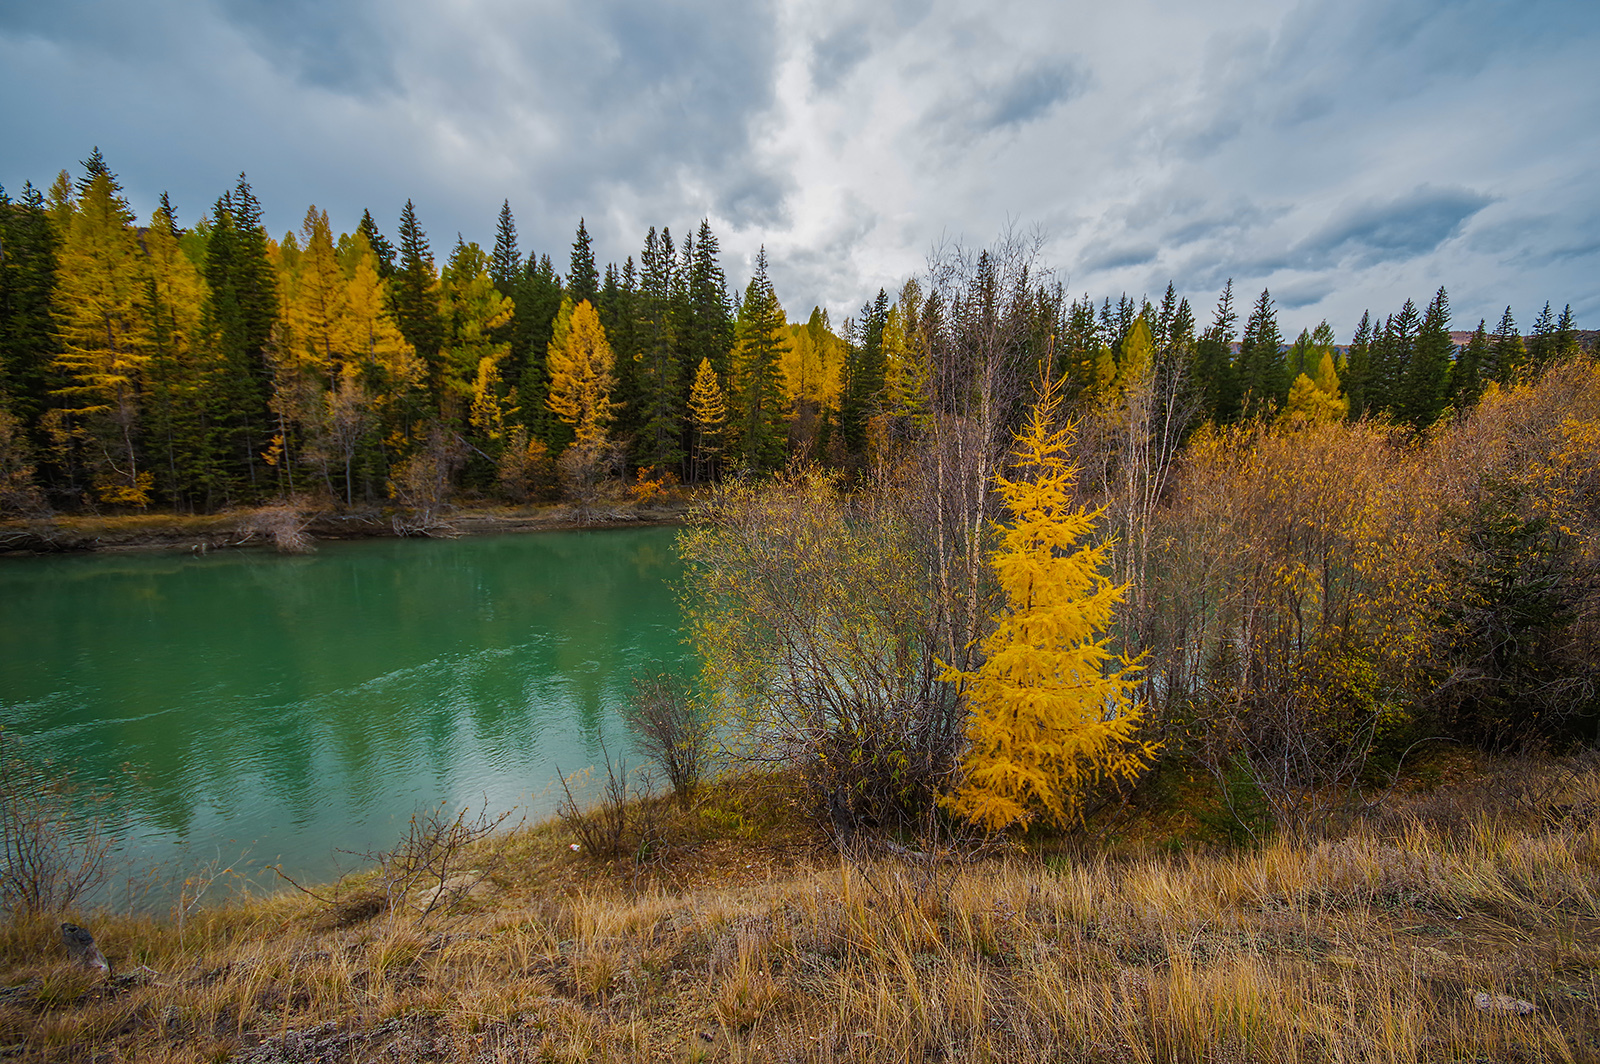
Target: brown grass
column 748, row 939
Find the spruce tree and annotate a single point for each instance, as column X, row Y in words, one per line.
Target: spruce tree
column 505, row 263
column 583, row 280
column 1217, row 379
column 1566, row 336
column 762, row 336
column 1261, row 363
column 1358, row 367
column 382, row 250
column 1541, row 343
column 1428, row 375
column 414, row 292
column 240, row 317
column 662, row 391
column 29, row 342
column 1467, row 374
column 538, row 300
column 709, row 330
column 1507, row 352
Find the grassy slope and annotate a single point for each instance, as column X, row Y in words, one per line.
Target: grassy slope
column 749, row 939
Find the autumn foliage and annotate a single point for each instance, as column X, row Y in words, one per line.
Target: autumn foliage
column 1051, row 708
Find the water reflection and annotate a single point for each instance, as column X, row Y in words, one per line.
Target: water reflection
column 295, row 706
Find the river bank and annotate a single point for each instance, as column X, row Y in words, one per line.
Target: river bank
column 1457, row 923
column 263, row 527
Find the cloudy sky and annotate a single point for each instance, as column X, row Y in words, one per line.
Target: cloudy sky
column 1344, row 153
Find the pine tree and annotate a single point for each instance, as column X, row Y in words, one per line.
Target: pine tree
column 706, row 330
column 583, row 280
column 538, row 300
column 1051, row 709
column 1566, row 336
column 762, row 337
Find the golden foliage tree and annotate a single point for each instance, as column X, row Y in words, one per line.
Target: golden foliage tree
column 581, row 366
column 1050, row 709
column 708, row 411
column 105, row 338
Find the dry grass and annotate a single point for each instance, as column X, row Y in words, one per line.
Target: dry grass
column 747, row 940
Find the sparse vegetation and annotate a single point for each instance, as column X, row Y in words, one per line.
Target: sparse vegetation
column 750, row 939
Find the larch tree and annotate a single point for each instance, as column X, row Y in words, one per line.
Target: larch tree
column 708, row 414
column 581, row 372
column 1050, row 709
column 105, row 339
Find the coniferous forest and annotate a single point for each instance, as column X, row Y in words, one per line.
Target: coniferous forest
column 144, row 364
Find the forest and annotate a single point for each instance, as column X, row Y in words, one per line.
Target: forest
column 203, row 367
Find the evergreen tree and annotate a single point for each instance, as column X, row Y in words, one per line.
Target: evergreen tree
column 762, row 337
column 1566, row 336
column 505, row 264
column 1507, row 353
column 583, row 280
column 864, row 375
column 708, row 328
column 1077, row 349
column 1541, row 343
column 1467, row 374
column 240, row 319
column 1392, row 352
column 414, row 289
column 1261, row 363
column 382, row 250
column 1217, row 379
column 1428, row 374
column 28, row 339
column 1358, row 367
column 661, row 389
column 538, row 300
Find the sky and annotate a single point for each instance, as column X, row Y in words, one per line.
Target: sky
column 1344, row 154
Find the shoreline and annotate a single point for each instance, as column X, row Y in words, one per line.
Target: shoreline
column 246, row 529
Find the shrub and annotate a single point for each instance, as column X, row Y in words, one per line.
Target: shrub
column 53, row 847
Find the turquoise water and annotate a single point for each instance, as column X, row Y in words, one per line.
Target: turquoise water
column 273, row 708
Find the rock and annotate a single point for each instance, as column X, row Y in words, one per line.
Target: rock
column 82, row 950
column 1501, row 1003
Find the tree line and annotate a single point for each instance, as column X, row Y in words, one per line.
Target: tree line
column 208, row 366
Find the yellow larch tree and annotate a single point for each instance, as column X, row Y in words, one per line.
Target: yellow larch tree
column 581, row 365
column 708, row 412
column 105, row 338
column 1051, row 708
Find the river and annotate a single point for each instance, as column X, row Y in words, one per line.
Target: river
column 251, row 708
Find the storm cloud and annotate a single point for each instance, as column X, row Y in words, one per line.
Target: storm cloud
column 1346, row 155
